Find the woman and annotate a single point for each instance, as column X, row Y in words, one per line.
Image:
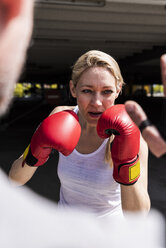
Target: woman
column 87, row 179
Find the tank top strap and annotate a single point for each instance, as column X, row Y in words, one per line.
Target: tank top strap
column 76, row 109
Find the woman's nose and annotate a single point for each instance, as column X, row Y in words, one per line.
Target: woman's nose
column 96, row 99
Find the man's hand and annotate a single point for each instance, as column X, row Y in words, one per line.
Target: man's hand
column 150, row 133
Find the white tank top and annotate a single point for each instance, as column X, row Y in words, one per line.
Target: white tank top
column 87, row 182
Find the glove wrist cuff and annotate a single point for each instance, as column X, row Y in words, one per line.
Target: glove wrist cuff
column 127, row 173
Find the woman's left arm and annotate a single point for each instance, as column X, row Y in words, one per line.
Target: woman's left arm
column 135, row 197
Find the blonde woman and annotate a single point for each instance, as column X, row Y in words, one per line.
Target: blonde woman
column 86, row 171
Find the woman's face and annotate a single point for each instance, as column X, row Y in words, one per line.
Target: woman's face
column 95, row 92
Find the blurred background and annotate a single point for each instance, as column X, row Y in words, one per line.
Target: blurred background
column 132, row 31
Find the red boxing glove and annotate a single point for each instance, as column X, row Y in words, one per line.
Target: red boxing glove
column 125, row 146
column 60, row 131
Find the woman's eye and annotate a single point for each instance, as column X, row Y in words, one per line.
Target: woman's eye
column 107, row 92
column 86, row 91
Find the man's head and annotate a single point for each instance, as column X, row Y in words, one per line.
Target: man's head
column 16, row 22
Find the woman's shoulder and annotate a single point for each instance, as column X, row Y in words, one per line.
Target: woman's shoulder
column 61, row 108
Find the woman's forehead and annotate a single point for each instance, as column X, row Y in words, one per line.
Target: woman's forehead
column 95, row 75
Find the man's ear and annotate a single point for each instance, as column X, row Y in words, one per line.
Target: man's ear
column 72, row 89
column 10, row 9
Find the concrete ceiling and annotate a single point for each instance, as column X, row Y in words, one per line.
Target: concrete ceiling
column 132, row 31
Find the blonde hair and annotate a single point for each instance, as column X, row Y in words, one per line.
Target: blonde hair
column 98, row 58
column 107, row 157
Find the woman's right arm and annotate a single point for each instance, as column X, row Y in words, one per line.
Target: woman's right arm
column 21, row 174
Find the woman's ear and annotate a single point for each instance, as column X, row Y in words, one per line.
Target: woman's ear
column 72, row 89
column 118, row 90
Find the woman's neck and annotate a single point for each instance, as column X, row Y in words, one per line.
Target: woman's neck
column 86, row 127
column 89, row 140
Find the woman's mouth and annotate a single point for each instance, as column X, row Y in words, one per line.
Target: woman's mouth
column 95, row 115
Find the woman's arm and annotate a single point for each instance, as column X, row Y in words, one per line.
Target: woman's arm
column 135, row 197
column 21, row 174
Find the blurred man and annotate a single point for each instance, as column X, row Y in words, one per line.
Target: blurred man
column 28, row 220
column 154, row 136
